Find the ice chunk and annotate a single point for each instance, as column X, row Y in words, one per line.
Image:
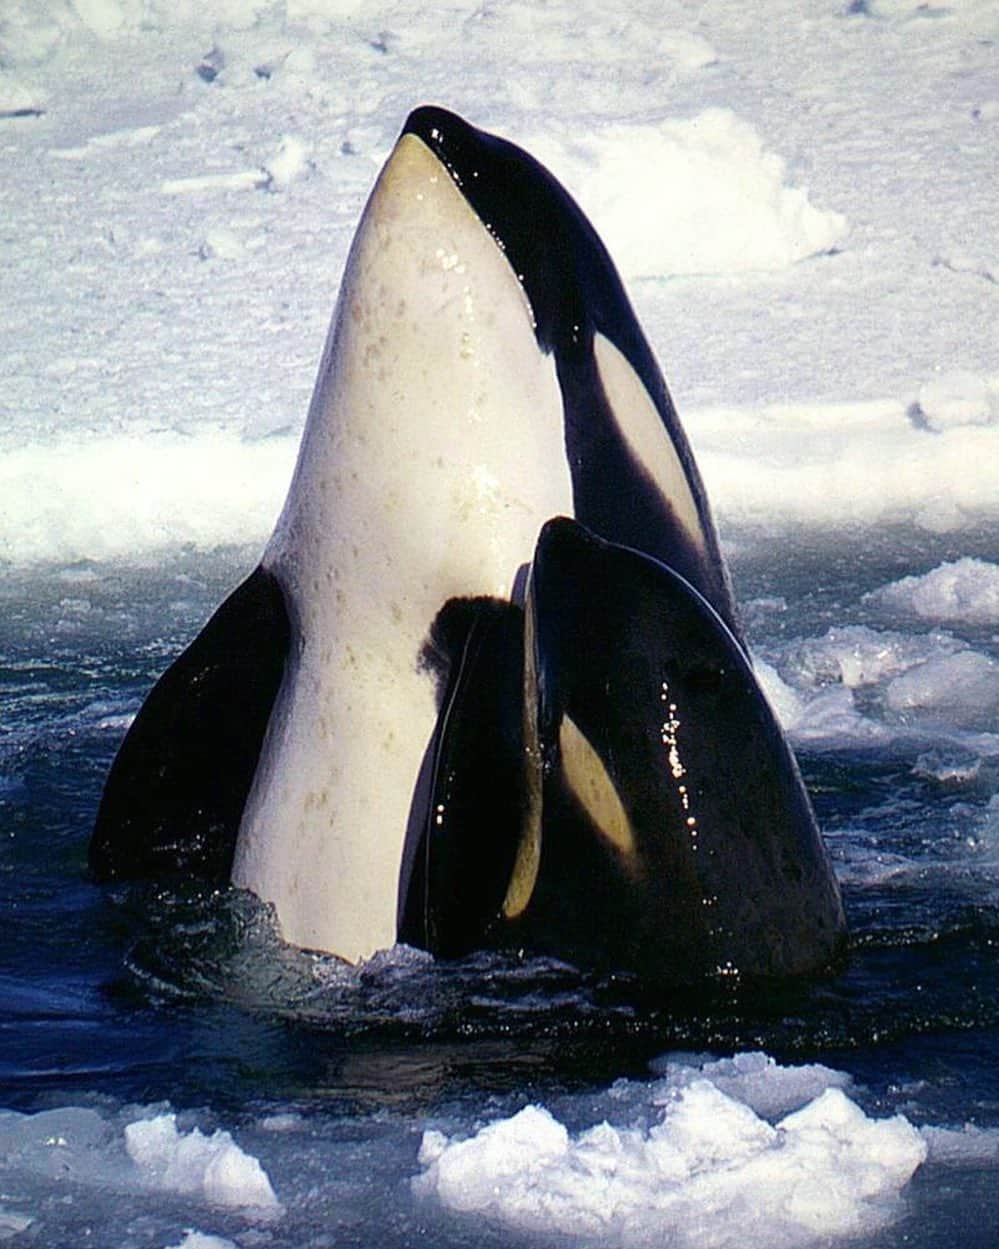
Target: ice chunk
column 961, row 689
column 221, row 244
column 787, row 704
column 856, row 656
column 65, row 1143
column 200, row 1240
column 831, row 716
column 289, row 162
column 965, row 590
column 736, row 213
column 192, row 1163
column 954, row 399
column 18, row 99
column 709, row 1171
column 12, row 1223
column 962, row 1147
column 770, row 1089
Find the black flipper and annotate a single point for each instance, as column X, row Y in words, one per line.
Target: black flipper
column 175, row 794
column 461, row 867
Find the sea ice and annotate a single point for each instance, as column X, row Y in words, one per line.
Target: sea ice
column 191, row 1163
column 708, row 1170
column 964, row 590
column 201, row 1240
column 736, row 213
column 953, row 399
column 961, row 689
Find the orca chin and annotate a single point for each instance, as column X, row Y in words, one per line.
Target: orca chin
column 487, row 687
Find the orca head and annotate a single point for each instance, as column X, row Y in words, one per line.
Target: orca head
column 634, row 478
column 667, row 828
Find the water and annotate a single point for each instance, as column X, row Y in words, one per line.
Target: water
column 130, row 1001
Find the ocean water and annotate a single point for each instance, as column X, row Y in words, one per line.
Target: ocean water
column 803, row 205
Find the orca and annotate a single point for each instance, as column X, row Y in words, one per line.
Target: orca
column 426, row 715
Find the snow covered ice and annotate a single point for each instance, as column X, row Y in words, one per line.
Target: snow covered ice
column 802, row 200
column 864, row 380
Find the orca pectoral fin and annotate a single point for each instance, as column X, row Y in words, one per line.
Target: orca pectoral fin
column 175, row 794
column 462, row 863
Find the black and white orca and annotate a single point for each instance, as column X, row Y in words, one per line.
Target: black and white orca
column 487, row 686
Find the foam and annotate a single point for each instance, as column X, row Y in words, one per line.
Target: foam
column 706, row 1168
column 736, row 213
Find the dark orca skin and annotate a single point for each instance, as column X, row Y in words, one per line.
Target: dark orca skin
column 469, row 832
column 710, row 861
column 176, row 790
column 434, row 713
column 664, row 828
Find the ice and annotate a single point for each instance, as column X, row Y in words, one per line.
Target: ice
column 192, row 1163
column 290, row 161
column 961, row 590
column 865, row 463
column 948, row 767
column 962, row 1147
column 822, row 373
column 960, row 689
column 75, row 1158
column 860, row 686
column 954, row 399
column 706, row 1168
column 787, row 704
column 767, row 1087
column 62, row 1143
column 107, row 497
column 201, row 1240
column 855, row 655
column 194, row 1239
column 736, row 213
column 705, row 1151
column 17, row 99
column 238, row 180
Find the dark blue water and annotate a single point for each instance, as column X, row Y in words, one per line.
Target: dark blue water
column 114, row 996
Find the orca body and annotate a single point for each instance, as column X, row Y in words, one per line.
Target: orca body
column 401, row 734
